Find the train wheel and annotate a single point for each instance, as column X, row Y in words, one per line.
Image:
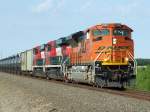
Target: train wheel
column 48, row 78
column 100, row 83
column 66, row 78
column 67, row 81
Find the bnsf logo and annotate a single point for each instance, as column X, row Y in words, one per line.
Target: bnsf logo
column 111, row 48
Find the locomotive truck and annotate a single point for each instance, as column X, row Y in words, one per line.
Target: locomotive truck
column 101, row 55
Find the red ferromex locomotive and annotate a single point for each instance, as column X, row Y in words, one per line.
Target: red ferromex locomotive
column 101, row 55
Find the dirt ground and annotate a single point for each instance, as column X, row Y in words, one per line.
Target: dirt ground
column 22, row 94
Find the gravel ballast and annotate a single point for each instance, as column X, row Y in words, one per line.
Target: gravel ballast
column 23, row 94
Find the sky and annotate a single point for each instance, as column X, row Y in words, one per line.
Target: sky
column 25, row 24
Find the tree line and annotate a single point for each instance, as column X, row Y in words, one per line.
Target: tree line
column 142, row 62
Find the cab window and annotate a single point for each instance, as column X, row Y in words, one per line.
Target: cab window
column 102, row 32
column 35, row 51
column 49, row 48
column 120, row 32
column 42, row 48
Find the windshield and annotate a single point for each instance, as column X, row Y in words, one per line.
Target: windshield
column 102, row 32
column 120, row 32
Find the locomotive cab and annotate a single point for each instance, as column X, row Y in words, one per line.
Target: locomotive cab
column 39, row 60
column 39, row 55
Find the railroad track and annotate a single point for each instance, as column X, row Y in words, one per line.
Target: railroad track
column 142, row 95
column 138, row 94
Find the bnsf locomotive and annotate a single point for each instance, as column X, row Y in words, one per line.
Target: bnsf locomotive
column 102, row 55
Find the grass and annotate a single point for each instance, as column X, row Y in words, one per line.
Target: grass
column 143, row 78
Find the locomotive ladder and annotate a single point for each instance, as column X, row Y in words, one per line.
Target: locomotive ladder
column 63, row 67
column 93, row 73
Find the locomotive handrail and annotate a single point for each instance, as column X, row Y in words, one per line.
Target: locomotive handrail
column 65, row 61
column 99, row 55
column 135, row 62
column 63, row 65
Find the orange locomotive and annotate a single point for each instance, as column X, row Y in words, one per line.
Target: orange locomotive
column 102, row 55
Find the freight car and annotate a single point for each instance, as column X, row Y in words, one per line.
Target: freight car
column 26, row 60
column 102, row 55
column 11, row 64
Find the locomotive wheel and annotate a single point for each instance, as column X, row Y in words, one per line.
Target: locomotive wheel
column 100, row 83
column 48, row 78
column 66, row 78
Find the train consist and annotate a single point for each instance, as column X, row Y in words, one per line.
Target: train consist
column 102, row 55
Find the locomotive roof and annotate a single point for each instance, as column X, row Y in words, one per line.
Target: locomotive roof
column 110, row 25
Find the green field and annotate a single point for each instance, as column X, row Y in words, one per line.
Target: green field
column 143, row 78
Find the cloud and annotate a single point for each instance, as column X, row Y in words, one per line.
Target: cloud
column 128, row 9
column 59, row 5
column 132, row 9
column 86, row 5
column 45, row 5
column 48, row 5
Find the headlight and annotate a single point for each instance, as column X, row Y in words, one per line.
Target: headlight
column 127, row 59
column 105, row 59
